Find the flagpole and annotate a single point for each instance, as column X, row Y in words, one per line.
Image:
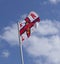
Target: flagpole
column 20, row 44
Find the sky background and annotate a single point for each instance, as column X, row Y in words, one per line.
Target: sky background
column 43, row 47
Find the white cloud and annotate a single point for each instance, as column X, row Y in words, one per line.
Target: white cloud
column 45, row 41
column 10, row 34
column 48, row 27
column 54, row 1
column 5, row 54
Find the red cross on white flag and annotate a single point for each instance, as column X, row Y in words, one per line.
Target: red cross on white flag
column 27, row 26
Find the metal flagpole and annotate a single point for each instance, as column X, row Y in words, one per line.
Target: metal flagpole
column 20, row 44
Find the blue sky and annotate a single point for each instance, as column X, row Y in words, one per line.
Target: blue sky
column 43, row 47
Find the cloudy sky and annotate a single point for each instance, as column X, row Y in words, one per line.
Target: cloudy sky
column 43, row 47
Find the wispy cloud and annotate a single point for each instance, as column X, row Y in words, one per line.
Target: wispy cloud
column 45, row 41
column 48, row 27
column 54, row 1
column 10, row 34
column 5, row 54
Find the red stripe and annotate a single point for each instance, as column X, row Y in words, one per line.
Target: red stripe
column 29, row 25
column 27, row 20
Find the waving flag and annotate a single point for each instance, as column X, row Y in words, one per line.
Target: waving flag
column 27, row 26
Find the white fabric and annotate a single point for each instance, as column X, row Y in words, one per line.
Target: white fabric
column 30, row 17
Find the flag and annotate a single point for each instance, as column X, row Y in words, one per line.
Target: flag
column 28, row 25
